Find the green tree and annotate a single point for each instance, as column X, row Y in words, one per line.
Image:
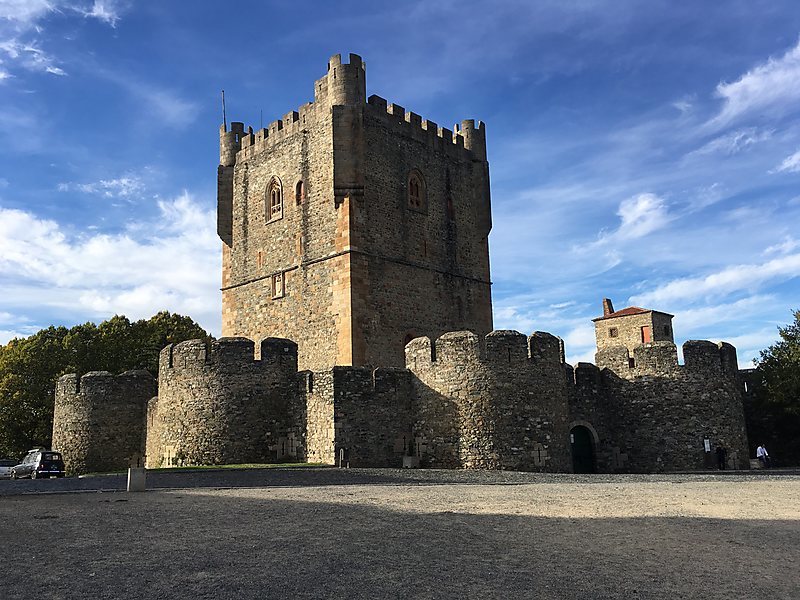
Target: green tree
column 773, row 417
column 29, row 367
column 779, row 368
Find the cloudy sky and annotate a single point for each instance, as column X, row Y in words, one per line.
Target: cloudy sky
column 649, row 152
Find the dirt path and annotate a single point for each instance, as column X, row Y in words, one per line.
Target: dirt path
column 625, row 537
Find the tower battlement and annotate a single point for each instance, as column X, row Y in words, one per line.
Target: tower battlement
column 500, row 348
column 661, row 359
column 233, row 352
column 98, row 419
column 465, row 141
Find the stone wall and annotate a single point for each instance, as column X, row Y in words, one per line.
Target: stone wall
column 590, row 407
column 217, row 404
column 362, row 272
column 629, row 329
column 499, row 402
column 372, row 415
column 665, row 411
column 98, row 420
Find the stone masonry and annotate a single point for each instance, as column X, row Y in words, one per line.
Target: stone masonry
column 357, row 308
column 631, row 327
column 380, row 233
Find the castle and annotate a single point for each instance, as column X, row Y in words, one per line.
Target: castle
column 355, row 248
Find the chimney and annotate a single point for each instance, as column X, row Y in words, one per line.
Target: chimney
column 608, row 308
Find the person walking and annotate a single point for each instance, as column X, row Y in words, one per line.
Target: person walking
column 763, row 456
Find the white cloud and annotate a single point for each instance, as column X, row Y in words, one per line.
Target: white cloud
column 170, row 263
column 122, row 187
column 734, row 142
column 790, row 164
column 683, row 105
column 773, row 85
column 726, row 281
column 692, row 319
column 639, row 216
column 30, row 56
column 787, row 245
column 106, row 11
column 26, row 12
column 22, row 22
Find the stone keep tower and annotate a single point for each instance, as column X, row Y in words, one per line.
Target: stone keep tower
column 631, row 327
column 353, row 226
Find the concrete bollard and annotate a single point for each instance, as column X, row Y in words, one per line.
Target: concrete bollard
column 137, row 479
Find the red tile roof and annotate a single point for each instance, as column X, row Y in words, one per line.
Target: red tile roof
column 631, row 310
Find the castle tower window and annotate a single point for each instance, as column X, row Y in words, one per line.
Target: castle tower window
column 416, row 192
column 278, row 285
column 613, row 332
column 451, row 211
column 299, row 193
column 274, row 200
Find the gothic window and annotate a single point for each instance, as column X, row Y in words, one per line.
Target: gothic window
column 299, row 193
column 417, row 199
column 274, row 200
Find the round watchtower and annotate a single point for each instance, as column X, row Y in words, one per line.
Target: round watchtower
column 347, row 83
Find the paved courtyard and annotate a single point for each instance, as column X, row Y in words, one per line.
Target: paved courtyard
column 328, row 533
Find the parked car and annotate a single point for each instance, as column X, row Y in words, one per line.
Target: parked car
column 39, row 463
column 5, row 468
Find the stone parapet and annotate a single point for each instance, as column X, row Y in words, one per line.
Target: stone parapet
column 99, row 419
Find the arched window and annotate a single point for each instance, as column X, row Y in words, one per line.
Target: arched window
column 274, row 200
column 299, row 193
column 417, row 199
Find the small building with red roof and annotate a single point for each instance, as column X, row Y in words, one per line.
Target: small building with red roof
column 631, row 327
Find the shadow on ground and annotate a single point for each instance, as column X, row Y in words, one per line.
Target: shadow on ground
column 208, row 544
column 327, row 476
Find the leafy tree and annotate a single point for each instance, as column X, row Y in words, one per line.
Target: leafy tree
column 779, row 367
column 29, row 367
column 773, row 417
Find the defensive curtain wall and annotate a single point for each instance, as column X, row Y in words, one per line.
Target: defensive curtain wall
column 503, row 401
column 98, row 420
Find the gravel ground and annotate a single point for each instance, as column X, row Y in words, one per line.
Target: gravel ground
column 328, row 533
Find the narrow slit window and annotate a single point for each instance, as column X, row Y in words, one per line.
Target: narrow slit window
column 299, row 193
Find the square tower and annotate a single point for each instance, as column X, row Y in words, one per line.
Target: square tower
column 352, row 226
column 631, row 327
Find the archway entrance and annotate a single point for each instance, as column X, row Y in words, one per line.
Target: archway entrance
column 580, row 441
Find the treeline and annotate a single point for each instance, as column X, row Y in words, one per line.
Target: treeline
column 29, row 367
column 773, row 412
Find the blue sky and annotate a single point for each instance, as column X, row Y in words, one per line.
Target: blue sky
column 649, row 152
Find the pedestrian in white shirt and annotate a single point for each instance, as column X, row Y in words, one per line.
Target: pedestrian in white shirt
column 763, row 455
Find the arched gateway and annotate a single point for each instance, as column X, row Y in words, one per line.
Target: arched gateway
column 582, row 448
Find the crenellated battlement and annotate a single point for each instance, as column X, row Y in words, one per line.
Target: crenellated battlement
column 94, row 382
column 500, row 348
column 661, row 359
column 465, row 141
column 227, row 353
column 98, row 419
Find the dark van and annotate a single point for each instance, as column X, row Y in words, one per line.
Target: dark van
column 39, row 463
